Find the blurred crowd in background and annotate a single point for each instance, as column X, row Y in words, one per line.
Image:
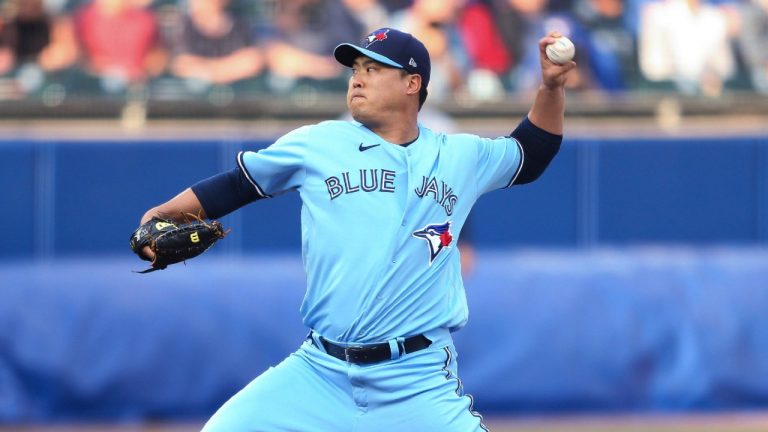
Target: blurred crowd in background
column 483, row 49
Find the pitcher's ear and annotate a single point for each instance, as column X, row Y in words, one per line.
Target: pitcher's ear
column 414, row 84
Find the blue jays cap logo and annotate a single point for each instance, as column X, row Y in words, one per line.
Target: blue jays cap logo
column 378, row 35
column 438, row 236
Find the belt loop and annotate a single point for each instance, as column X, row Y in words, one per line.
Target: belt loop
column 316, row 340
column 396, row 348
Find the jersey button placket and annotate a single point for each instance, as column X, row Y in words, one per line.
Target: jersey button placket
column 407, row 198
column 410, row 197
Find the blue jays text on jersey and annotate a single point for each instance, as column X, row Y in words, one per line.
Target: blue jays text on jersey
column 443, row 195
column 369, row 180
column 380, row 222
column 383, row 180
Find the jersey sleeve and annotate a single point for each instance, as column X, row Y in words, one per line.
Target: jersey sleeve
column 279, row 167
column 498, row 163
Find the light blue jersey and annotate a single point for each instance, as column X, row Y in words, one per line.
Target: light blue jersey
column 380, row 222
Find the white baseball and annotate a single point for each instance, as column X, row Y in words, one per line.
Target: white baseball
column 561, row 51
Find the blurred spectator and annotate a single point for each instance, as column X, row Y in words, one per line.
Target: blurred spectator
column 489, row 58
column 33, row 38
column 304, row 34
column 482, row 39
column 512, row 25
column 214, row 46
column 753, row 40
column 6, row 56
column 687, row 42
column 395, row 5
column 611, row 46
column 120, row 41
column 521, row 24
column 434, row 23
column 371, row 14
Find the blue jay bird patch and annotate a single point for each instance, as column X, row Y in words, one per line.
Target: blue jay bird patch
column 378, row 35
column 438, row 236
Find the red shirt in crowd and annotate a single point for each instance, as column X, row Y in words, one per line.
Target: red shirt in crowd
column 118, row 42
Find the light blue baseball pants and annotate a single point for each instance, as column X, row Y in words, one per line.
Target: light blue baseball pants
column 311, row 391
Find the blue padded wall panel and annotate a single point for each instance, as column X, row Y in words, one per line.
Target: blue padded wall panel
column 632, row 329
column 103, row 188
column 609, row 192
column 692, row 191
column 272, row 224
column 542, row 213
column 17, row 198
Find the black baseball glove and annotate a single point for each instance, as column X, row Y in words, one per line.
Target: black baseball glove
column 173, row 243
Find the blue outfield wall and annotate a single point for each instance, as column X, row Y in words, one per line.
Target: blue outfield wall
column 596, row 192
column 632, row 276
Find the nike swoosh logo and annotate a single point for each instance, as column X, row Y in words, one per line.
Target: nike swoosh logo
column 363, row 148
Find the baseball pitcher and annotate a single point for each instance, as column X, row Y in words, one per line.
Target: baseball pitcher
column 383, row 203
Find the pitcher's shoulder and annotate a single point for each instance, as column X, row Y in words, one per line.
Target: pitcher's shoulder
column 459, row 139
column 336, row 126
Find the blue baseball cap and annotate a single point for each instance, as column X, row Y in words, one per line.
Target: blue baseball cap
column 390, row 47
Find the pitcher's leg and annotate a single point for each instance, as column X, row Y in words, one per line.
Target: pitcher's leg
column 297, row 395
column 421, row 393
